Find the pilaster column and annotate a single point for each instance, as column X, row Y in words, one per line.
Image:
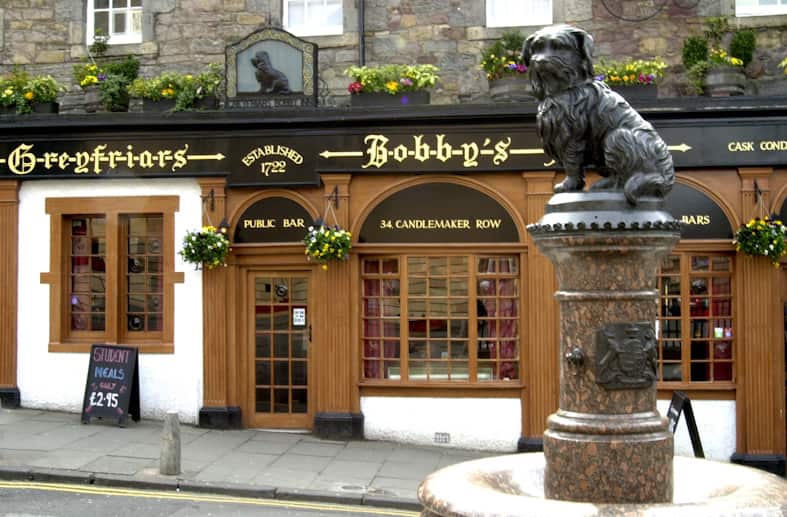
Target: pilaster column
column 760, row 348
column 217, row 412
column 9, row 251
column 542, row 369
column 333, row 349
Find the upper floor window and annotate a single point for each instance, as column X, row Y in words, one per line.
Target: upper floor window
column 760, row 7
column 516, row 13
column 312, row 17
column 121, row 20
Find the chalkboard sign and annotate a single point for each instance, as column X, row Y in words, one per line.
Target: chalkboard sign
column 681, row 404
column 112, row 387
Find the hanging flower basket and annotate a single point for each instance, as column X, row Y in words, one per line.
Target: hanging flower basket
column 207, row 247
column 327, row 243
column 764, row 237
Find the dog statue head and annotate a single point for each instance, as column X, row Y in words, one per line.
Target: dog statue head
column 559, row 58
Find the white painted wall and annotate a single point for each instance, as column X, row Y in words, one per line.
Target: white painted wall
column 715, row 424
column 473, row 423
column 57, row 380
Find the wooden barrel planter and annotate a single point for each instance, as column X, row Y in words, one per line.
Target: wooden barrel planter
column 386, row 99
column 724, row 82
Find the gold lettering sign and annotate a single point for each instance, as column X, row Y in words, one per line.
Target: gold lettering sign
column 24, row 160
column 762, row 145
column 271, row 224
column 440, row 224
column 699, row 219
column 268, row 167
column 380, row 152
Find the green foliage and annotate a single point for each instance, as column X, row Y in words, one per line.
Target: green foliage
column 185, row 89
column 100, row 44
column 702, row 53
column 743, row 44
column 630, row 72
column 207, row 247
column 783, row 65
column 762, row 237
column 391, row 78
column 504, row 56
column 112, row 78
column 327, row 243
column 21, row 90
column 695, row 50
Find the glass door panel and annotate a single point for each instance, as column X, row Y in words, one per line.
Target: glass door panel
column 280, row 348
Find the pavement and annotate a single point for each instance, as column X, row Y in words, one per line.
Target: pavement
column 50, row 446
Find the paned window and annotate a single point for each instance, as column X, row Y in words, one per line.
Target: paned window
column 312, row 17
column 518, row 13
column 121, row 20
column 696, row 325
column 760, row 7
column 441, row 318
column 112, row 272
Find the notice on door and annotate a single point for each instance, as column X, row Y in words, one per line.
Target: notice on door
column 298, row 317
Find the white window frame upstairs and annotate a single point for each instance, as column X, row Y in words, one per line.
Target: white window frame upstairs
column 115, row 38
column 518, row 13
column 315, row 22
column 760, row 7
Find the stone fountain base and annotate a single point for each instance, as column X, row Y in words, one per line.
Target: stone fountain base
column 513, row 485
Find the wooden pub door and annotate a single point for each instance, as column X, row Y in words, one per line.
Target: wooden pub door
column 280, row 337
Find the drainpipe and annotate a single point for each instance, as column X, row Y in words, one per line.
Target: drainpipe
column 361, row 31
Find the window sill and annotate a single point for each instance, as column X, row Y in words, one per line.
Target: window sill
column 145, row 348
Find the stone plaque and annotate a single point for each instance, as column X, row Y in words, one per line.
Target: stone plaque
column 626, row 355
column 271, row 68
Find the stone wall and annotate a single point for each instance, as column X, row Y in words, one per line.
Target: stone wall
column 47, row 36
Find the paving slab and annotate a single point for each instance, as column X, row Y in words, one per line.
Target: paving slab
column 70, row 459
column 285, row 478
column 343, row 470
column 116, row 465
column 310, row 448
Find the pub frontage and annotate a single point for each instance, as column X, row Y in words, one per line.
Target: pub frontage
column 440, row 328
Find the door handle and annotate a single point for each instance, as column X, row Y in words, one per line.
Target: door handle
column 310, row 333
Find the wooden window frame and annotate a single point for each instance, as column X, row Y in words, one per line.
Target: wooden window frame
column 115, row 38
column 473, row 276
column 112, row 208
column 311, row 27
column 685, row 275
column 525, row 19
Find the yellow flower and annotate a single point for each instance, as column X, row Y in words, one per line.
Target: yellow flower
column 324, row 267
column 392, row 86
column 29, row 96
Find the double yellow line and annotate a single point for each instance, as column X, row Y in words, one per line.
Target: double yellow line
column 207, row 498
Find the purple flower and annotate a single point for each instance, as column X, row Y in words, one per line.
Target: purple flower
column 600, row 78
column 521, row 68
column 102, row 77
column 406, row 81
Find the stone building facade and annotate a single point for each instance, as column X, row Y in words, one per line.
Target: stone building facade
column 48, row 36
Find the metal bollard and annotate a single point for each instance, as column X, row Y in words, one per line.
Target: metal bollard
column 169, row 464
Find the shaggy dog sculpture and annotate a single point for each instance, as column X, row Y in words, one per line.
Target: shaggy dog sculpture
column 583, row 123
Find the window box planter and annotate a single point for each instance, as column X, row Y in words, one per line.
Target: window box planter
column 637, row 92
column 209, row 102
column 48, row 108
column 386, row 99
column 724, row 81
column 152, row 106
column 511, row 88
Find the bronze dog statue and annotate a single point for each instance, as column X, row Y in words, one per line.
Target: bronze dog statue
column 583, row 123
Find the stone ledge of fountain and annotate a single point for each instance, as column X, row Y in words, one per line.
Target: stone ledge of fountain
column 513, row 486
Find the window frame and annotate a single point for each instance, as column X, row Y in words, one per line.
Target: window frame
column 756, row 9
column 61, row 210
column 510, row 20
column 473, row 340
column 310, row 28
column 686, row 319
column 116, row 38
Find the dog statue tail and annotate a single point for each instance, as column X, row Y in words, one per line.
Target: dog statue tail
column 647, row 177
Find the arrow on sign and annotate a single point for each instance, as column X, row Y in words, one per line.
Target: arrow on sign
column 680, row 148
column 340, row 154
column 217, row 156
